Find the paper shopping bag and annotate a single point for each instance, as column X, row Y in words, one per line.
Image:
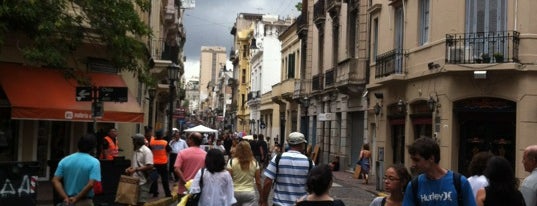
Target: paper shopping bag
column 357, row 172
column 127, row 190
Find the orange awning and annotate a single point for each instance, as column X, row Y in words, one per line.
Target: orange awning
column 44, row 94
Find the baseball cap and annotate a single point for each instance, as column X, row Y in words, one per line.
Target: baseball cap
column 296, row 138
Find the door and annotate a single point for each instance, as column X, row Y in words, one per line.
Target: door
column 485, row 20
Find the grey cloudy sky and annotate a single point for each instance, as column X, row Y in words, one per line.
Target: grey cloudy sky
column 210, row 23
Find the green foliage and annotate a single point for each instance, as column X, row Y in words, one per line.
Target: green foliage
column 56, row 31
column 298, row 6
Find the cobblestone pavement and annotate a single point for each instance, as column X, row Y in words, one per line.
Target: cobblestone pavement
column 346, row 188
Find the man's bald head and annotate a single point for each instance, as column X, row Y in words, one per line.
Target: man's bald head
column 195, row 138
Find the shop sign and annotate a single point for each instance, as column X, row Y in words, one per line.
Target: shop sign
column 326, row 116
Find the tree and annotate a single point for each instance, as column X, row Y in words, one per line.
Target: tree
column 298, row 6
column 57, row 29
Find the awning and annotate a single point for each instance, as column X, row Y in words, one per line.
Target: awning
column 45, row 94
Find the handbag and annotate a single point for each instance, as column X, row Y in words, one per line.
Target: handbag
column 127, row 190
column 194, row 199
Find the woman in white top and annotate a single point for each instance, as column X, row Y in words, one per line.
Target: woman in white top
column 476, row 169
column 217, row 184
column 245, row 172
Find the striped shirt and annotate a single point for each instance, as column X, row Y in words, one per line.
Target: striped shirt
column 292, row 175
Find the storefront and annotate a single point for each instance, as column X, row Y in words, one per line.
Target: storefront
column 41, row 120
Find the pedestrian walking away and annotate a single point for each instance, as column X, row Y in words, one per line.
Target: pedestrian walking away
column 246, row 173
column 76, row 174
column 436, row 185
column 189, row 161
column 218, row 185
column 364, row 161
column 476, row 169
column 503, row 185
column 318, row 185
column 288, row 172
column 160, row 149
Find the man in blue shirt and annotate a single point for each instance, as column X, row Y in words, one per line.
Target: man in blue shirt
column 436, row 185
column 78, row 171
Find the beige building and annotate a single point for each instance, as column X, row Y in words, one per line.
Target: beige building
column 212, row 60
column 467, row 82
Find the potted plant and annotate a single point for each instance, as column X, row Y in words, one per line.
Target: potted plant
column 485, row 57
column 498, row 57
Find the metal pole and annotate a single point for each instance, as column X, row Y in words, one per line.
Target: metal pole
column 150, row 120
column 170, row 107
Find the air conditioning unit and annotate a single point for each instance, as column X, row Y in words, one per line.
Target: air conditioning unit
column 460, row 54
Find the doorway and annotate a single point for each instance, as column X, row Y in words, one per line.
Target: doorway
column 486, row 124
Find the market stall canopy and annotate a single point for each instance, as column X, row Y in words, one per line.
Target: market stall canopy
column 201, row 129
column 45, row 94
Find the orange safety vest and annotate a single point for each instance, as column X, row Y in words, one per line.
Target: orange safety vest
column 158, row 147
column 112, row 150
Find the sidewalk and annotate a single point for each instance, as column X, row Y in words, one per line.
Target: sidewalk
column 345, row 177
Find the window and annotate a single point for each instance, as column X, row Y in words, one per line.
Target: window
column 424, row 22
column 243, row 100
column 486, row 15
column 353, row 19
column 335, row 42
column 375, row 39
column 244, row 76
column 399, row 38
column 291, row 66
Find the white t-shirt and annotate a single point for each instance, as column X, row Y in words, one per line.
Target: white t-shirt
column 478, row 182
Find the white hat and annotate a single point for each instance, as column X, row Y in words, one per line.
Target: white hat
column 296, row 138
column 175, row 129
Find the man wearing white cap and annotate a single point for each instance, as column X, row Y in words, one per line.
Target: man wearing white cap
column 288, row 172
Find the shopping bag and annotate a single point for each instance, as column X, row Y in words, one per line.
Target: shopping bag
column 193, row 199
column 357, row 171
column 127, row 190
column 97, row 188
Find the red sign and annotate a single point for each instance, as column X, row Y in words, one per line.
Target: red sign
column 179, row 113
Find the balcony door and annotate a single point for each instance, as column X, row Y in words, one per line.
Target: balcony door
column 399, row 21
column 485, row 20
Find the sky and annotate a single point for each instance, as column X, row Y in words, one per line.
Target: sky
column 210, row 23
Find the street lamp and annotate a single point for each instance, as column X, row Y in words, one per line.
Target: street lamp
column 152, row 92
column 173, row 73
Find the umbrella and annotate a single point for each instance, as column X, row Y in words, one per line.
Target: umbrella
column 248, row 137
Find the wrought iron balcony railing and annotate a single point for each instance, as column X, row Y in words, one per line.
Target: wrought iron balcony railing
column 482, row 47
column 389, row 63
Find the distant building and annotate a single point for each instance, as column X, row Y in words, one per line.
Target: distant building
column 212, row 59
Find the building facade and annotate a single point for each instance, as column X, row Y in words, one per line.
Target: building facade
column 467, row 82
column 212, row 60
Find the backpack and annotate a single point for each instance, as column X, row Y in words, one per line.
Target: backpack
column 277, row 161
column 456, row 183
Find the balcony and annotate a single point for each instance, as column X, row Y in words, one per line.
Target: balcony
column 302, row 87
column 288, row 88
column 333, row 7
column 330, row 78
column 319, row 13
column 389, row 63
column 302, row 24
column 351, row 76
column 482, row 47
column 277, row 93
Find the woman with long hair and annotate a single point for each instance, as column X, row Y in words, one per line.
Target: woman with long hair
column 245, row 172
column 502, row 188
column 365, row 162
column 217, row 189
column 318, row 185
column 396, row 178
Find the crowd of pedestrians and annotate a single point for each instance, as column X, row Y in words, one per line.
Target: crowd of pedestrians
column 240, row 172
